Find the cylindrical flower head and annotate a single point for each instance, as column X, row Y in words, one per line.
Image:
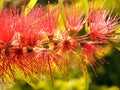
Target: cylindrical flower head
column 28, row 26
column 50, row 21
column 74, row 19
column 7, row 23
column 90, row 52
column 23, row 43
column 18, row 37
column 101, row 24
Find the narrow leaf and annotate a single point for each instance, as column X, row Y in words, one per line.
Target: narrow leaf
column 1, row 3
column 61, row 3
column 86, row 12
column 30, row 5
column 86, row 5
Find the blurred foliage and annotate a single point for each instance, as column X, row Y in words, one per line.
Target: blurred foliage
column 108, row 75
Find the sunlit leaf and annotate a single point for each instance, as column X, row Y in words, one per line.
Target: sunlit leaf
column 86, row 5
column 85, row 2
column 30, row 5
column 1, row 3
column 61, row 2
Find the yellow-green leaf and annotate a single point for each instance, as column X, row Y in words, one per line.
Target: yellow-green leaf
column 30, row 5
column 86, row 11
column 1, row 3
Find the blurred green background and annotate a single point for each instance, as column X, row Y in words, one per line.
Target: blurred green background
column 108, row 75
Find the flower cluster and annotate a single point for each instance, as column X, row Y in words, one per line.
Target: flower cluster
column 34, row 42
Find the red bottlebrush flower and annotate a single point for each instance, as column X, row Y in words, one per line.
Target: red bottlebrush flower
column 69, row 43
column 50, row 21
column 28, row 26
column 47, row 60
column 23, row 44
column 22, row 58
column 90, row 52
column 66, row 43
column 69, row 48
column 7, row 32
column 13, row 58
column 18, row 36
column 7, row 23
column 101, row 24
column 74, row 19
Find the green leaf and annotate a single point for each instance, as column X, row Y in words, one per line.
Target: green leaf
column 62, row 11
column 86, row 11
column 1, row 3
column 86, row 5
column 30, row 5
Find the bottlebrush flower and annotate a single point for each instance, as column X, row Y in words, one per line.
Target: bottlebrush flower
column 66, row 43
column 50, row 21
column 18, row 36
column 69, row 47
column 28, row 26
column 101, row 24
column 7, row 23
column 23, row 58
column 90, row 51
column 74, row 19
column 31, row 44
column 47, row 60
column 7, row 32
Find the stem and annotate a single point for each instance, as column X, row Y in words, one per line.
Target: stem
column 86, row 12
column 86, row 81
